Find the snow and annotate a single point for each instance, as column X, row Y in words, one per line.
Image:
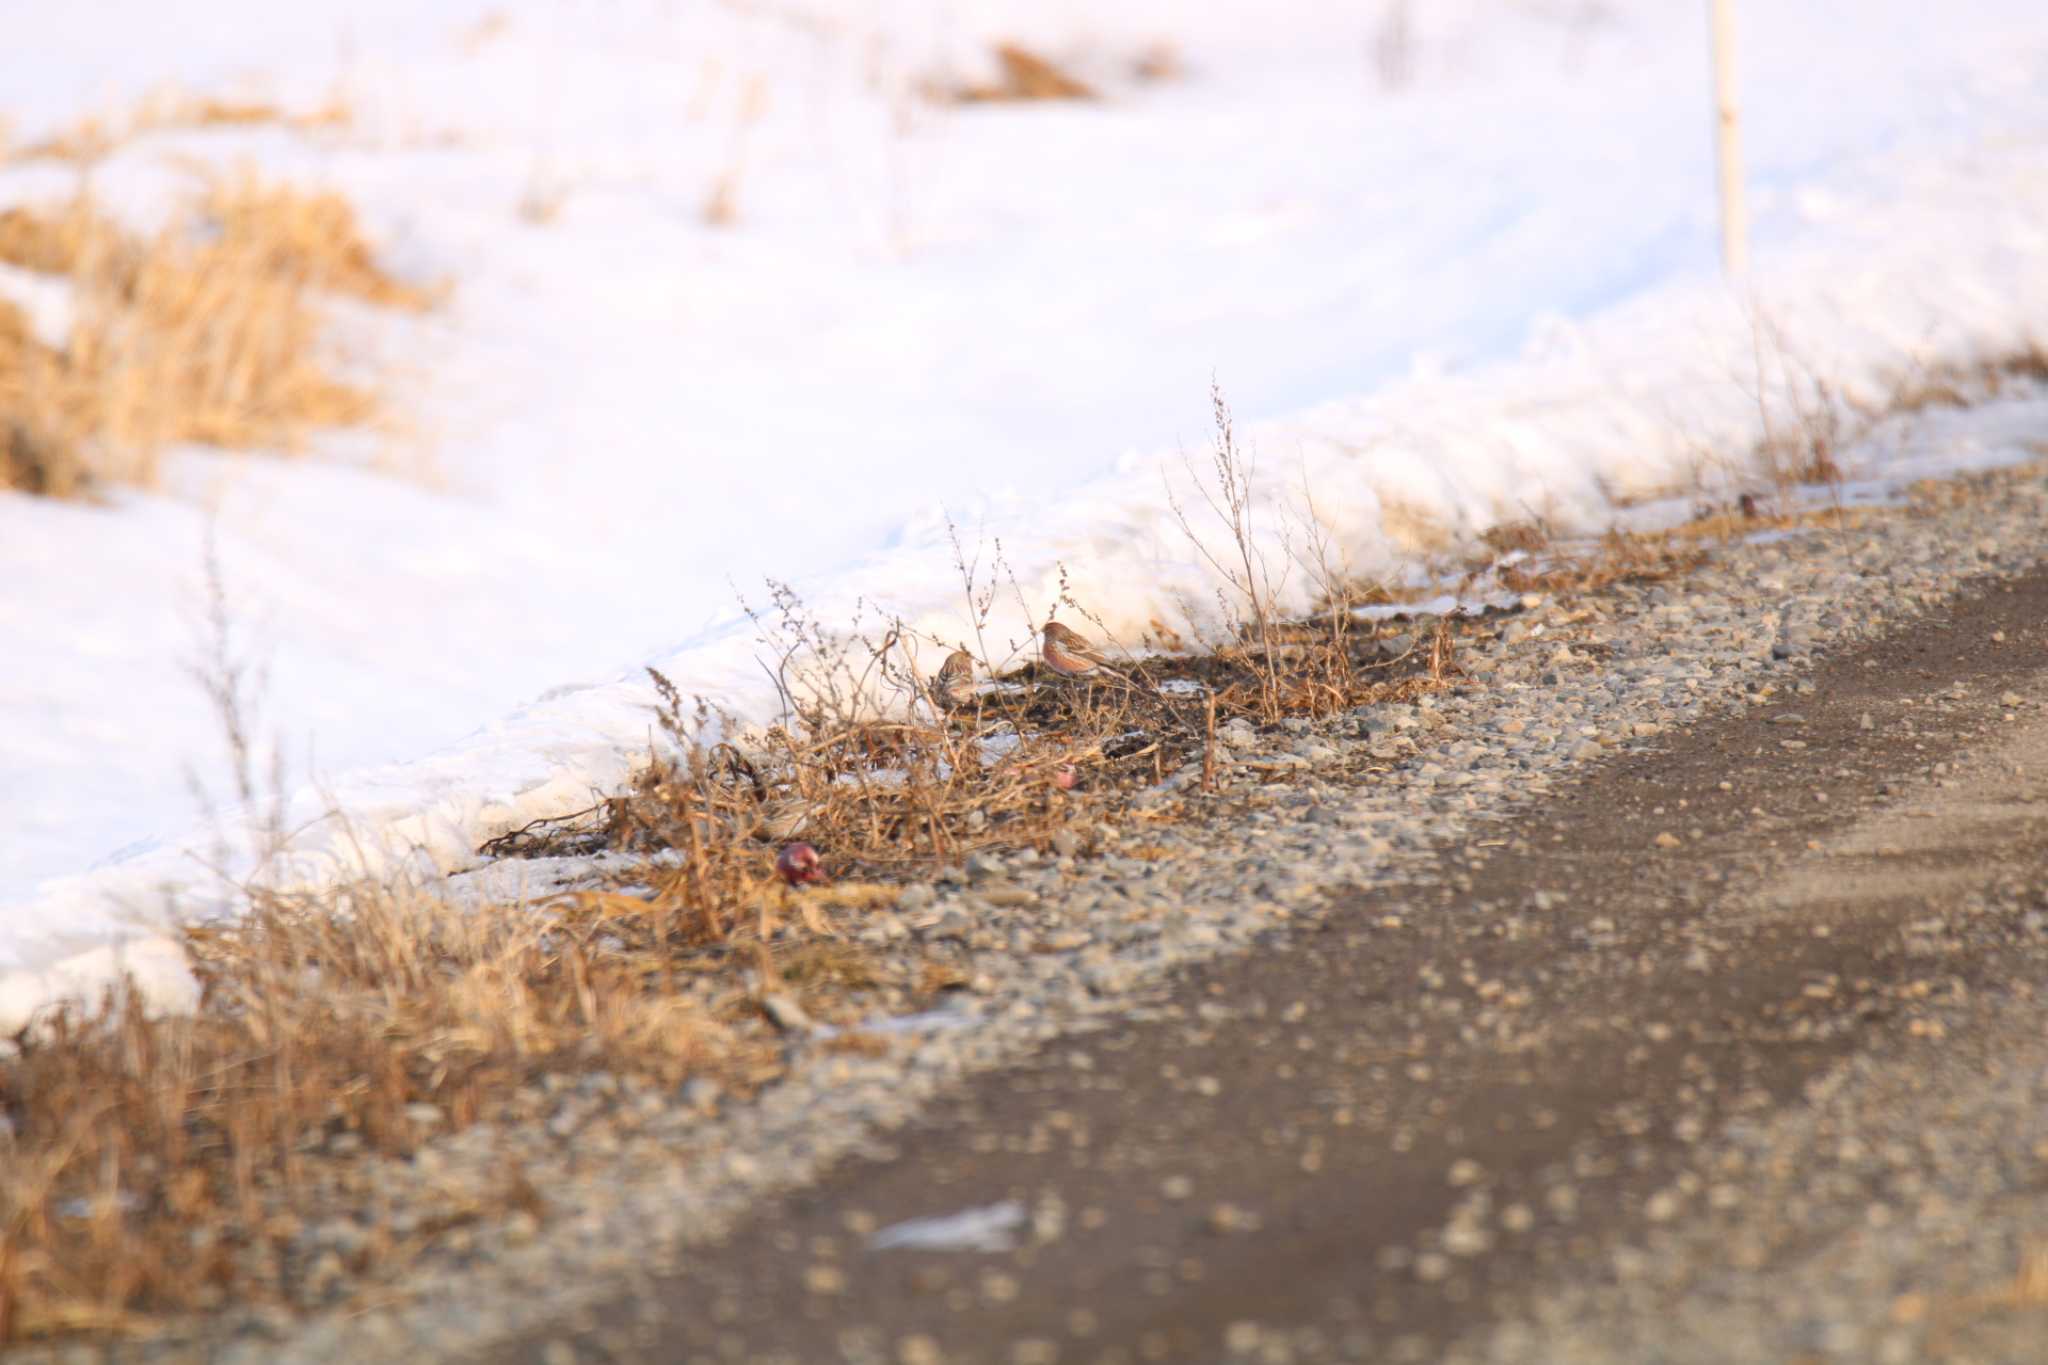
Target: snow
column 987, row 1228
column 1486, row 293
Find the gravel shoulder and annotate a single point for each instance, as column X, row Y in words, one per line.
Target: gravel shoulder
column 1403, row 1042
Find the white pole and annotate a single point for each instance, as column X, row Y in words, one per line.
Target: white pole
column 1728, row 141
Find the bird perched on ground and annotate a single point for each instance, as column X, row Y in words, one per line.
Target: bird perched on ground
column 780, row 820
column 799, row 863
column 1067, row 653
column 953, row 684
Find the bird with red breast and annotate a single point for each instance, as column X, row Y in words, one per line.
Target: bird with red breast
column 800, row 865
column 1068, row 652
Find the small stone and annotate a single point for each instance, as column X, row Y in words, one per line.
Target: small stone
column 784, row 1011
column 1465, row 1171
column 825, row 1279
column 1227, row 1218
column 955, row 924
column 1176, row 1187
column 918, row 1349
column 1667, row 840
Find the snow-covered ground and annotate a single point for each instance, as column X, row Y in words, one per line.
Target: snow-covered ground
column 1484, row 289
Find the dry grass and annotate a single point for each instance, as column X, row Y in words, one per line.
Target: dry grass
column 150, row 1164
column 1961, row 386
column 721, row 207
column 1617, row 557
column 1951, row 1317
column 211, row 330
column 94, row 138
column 1157, row 64
column 1021, row 76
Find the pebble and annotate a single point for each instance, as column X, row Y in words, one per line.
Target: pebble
column 786, row 1013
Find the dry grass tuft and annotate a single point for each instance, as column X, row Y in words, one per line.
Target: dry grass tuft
column 1158, row 64
column 153, row 1166
column 1023, row 75
column 84, row 142
column 93, row 138
column 1951, row 1316
column 721, row 207
column 1962, row 386
column 1618, row 557
column 309, row 239
column 211, row 331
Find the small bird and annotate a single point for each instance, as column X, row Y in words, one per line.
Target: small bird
column 1067, row 653
column 784, row 819
column 953, row 684
column 799, row 864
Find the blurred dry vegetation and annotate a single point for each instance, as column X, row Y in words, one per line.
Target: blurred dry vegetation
column 212, row 329
column 94, row 138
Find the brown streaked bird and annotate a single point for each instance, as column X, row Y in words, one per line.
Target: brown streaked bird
column 953, row 684
column 1067, row 653
column 779, row 821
